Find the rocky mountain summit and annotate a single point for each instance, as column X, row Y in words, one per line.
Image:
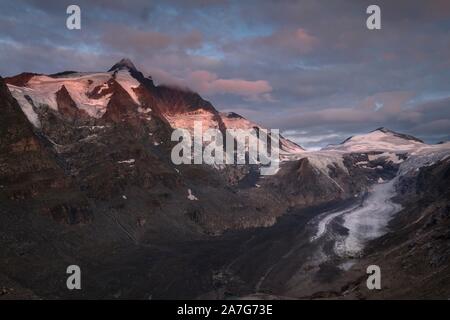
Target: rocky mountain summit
column 86, row 177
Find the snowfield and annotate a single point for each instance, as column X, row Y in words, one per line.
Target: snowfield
column 41, row 89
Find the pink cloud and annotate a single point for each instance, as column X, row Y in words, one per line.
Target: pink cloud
column 208, row 83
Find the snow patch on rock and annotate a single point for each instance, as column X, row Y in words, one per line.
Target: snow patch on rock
column 191, row 196
column 129, row 161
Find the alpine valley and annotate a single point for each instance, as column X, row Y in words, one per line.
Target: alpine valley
column 86, row 179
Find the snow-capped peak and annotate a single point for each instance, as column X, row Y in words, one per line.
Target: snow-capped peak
column 125, row 63
column 381, row 139
column 400, row 135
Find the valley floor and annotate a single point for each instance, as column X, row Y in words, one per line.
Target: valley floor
column 306, row 254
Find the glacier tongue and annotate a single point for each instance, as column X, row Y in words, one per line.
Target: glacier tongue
column 369, row 221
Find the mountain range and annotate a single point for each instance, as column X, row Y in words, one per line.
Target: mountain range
column 86, row 178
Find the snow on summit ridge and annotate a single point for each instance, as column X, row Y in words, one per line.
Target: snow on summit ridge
column 380, row 139
column 400, row 135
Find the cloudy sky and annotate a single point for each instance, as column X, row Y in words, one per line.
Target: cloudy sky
column 310, row 68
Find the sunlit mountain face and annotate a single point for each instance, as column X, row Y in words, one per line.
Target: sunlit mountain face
column 87, row 172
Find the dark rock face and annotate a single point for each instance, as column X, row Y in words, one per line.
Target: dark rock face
column 306, row 186
column 67, row 107
column 175, row 100
column 121, row 106
column 29, row 172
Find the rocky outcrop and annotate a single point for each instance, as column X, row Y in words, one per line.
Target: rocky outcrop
column 121, row 106
column 67, row 107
